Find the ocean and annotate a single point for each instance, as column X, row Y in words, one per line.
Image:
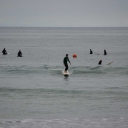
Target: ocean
column 35, row 94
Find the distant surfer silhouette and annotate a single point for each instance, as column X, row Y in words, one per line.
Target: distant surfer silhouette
column 65, row 61
column 19, row 54
column 91, row 52
column 100, row 62
column 4, row 52
column 105, row 53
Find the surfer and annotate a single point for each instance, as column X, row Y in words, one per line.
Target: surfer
column 105, row 53
column 91, row 52
column 100, row 62
column 66, row 59
column 19, row 54
column 4, row 52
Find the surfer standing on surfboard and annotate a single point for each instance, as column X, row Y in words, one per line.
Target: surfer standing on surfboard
column 65, row 61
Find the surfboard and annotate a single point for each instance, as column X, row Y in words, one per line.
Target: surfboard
column 110, row 63
column 65, row 73
column 6, row 54
column 19, row 56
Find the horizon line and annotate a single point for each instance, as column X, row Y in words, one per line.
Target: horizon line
column 65, row 26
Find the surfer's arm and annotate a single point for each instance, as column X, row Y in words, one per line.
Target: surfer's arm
column 69, row 61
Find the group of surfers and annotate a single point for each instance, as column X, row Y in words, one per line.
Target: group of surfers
column 65, row 60
column 18, row 55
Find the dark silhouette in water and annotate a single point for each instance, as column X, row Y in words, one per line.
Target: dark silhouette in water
column 105, row 53
column 65, row 61
column 4, row 52
column 19, row 54
column 100, row 62
column 91, row 52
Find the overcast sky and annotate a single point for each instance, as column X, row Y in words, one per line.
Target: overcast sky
column 64, row 13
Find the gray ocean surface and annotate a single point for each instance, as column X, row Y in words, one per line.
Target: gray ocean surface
column 35, row 94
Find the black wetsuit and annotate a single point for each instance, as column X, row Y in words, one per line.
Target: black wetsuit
column 105, row 53
column 100, row 62
column 4, row 52
column 66, row 59
column 91, row 51
column 19, row 54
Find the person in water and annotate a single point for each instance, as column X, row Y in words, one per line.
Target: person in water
column 100, row 62
column 91, row 52
column 19, row 54
column 105, row 53
column 65, row 61
column 4, row 52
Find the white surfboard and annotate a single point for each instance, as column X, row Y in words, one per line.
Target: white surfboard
column 65, row 73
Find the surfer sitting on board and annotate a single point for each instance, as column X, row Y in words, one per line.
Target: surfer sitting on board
column 19, row 54
column 4, row 52
column 91, row 52
column 100, row 62
column 65, row 61
column 105, row 53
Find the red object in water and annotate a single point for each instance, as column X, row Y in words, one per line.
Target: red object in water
column 74, row 56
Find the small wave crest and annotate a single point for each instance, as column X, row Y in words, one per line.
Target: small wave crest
column 100, row 70
column 57, row 70
column 93, row 121
column 40, row 91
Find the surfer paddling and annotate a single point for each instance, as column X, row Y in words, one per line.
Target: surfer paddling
column 65, row 61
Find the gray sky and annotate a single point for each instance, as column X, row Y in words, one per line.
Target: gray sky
column 64, row 13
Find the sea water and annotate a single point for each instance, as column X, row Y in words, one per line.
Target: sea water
column 35, row 94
